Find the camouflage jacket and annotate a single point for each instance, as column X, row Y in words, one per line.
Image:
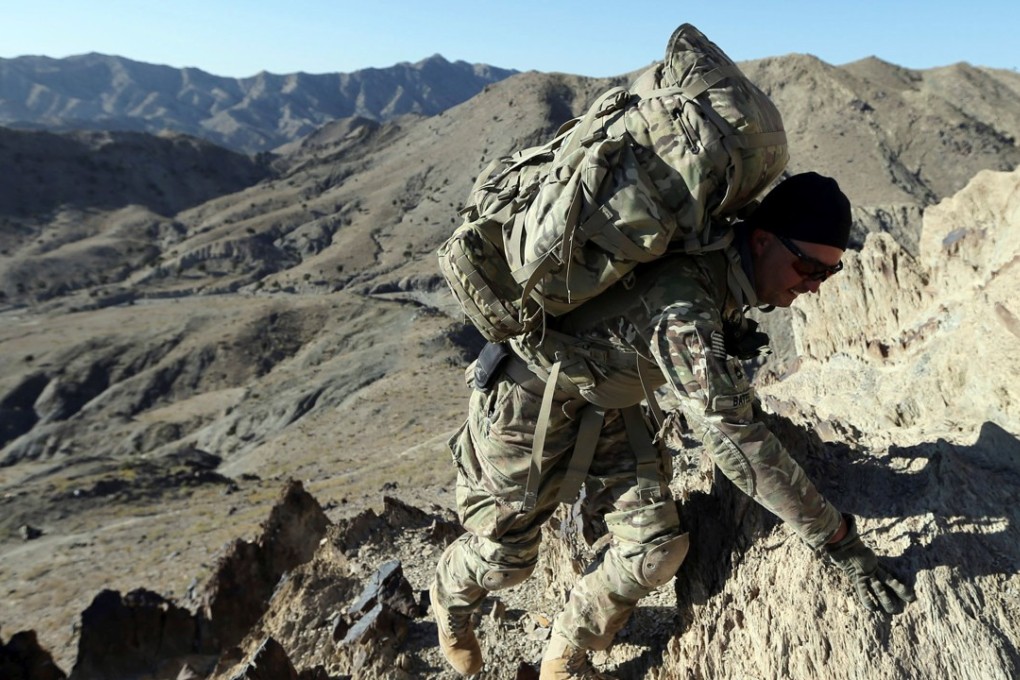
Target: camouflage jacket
column 679, row 312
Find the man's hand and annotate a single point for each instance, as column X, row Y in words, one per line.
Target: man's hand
column 876, row 587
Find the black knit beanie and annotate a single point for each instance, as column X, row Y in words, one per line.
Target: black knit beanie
column 806, row 207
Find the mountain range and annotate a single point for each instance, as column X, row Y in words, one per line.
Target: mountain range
column 259, row 113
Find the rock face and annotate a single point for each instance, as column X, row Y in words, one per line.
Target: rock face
column 911, row 384
column 931, row 340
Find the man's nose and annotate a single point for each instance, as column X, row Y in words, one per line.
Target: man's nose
column 812, row 285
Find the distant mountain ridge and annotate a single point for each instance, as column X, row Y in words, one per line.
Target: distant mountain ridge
column 102, row 92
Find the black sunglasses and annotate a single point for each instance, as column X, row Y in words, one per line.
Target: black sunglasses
column 807, row 266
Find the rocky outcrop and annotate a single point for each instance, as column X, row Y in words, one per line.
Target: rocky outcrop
column 145, row 635
column 351, row 609
column 237, row 596
column 282, row 607
column 270, row 662
column 140, row 634
column 931, row 340
column 750, row 600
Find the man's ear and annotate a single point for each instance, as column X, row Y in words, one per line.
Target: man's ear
column 759, row 240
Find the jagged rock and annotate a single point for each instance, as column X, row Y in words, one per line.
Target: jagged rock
column 340, row 628
column 360, row 529
column 238, row 594
column 367, row 525
column 441, row 523
column 928, row 339
column 324, row 614
column 294, row 529
column 305, row 608
column 380, row 625
column 138, row 634
column 21, row 658
column 399, row 514
column 445, row 532
column 269, row 662
column 387, row 587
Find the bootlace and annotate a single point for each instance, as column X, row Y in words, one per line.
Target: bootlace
column 457, row 625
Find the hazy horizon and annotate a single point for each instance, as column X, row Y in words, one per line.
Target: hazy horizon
column 313, row 36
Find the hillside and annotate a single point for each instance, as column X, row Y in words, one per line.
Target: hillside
column 283, row 319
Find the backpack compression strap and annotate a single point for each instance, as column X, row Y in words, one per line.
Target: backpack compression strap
column 592, row 418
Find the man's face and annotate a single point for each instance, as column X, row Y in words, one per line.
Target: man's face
column 782, row 271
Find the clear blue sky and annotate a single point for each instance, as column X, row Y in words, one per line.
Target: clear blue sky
column 242, row 37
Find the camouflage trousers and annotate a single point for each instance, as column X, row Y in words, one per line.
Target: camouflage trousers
column 492, row 452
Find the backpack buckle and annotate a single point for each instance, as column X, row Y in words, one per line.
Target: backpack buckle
column 594, row 136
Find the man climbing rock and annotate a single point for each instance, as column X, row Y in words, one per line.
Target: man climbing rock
column 558, row 406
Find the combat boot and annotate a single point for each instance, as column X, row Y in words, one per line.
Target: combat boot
column 564, row 661
column 456, row 637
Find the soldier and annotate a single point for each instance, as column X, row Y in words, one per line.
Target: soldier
column 679, row 314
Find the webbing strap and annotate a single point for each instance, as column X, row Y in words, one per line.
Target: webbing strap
column 589, row 429
column 696, row 85
column 742, row 289
column 592, row 417
column 645, row 452
column 644, row 369
column 601, row 226
column 616, row 97
column 530, row 274
column 515, row 244
column 699, row 84
column 693, row 243
column 538, row 444
column 735, row 176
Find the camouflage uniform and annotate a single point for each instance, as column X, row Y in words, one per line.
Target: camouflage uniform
column 680, row 312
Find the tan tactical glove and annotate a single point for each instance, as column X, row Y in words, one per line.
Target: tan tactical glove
column 875, row 585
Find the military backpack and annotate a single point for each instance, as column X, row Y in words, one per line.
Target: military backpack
column 661, row 166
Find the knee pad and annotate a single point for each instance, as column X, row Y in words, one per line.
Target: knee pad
column 661, row 562
column 498, row 579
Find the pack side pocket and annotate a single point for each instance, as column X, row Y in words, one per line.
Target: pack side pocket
column 489, row 365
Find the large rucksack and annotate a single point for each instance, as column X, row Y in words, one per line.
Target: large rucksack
column 655, row 168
